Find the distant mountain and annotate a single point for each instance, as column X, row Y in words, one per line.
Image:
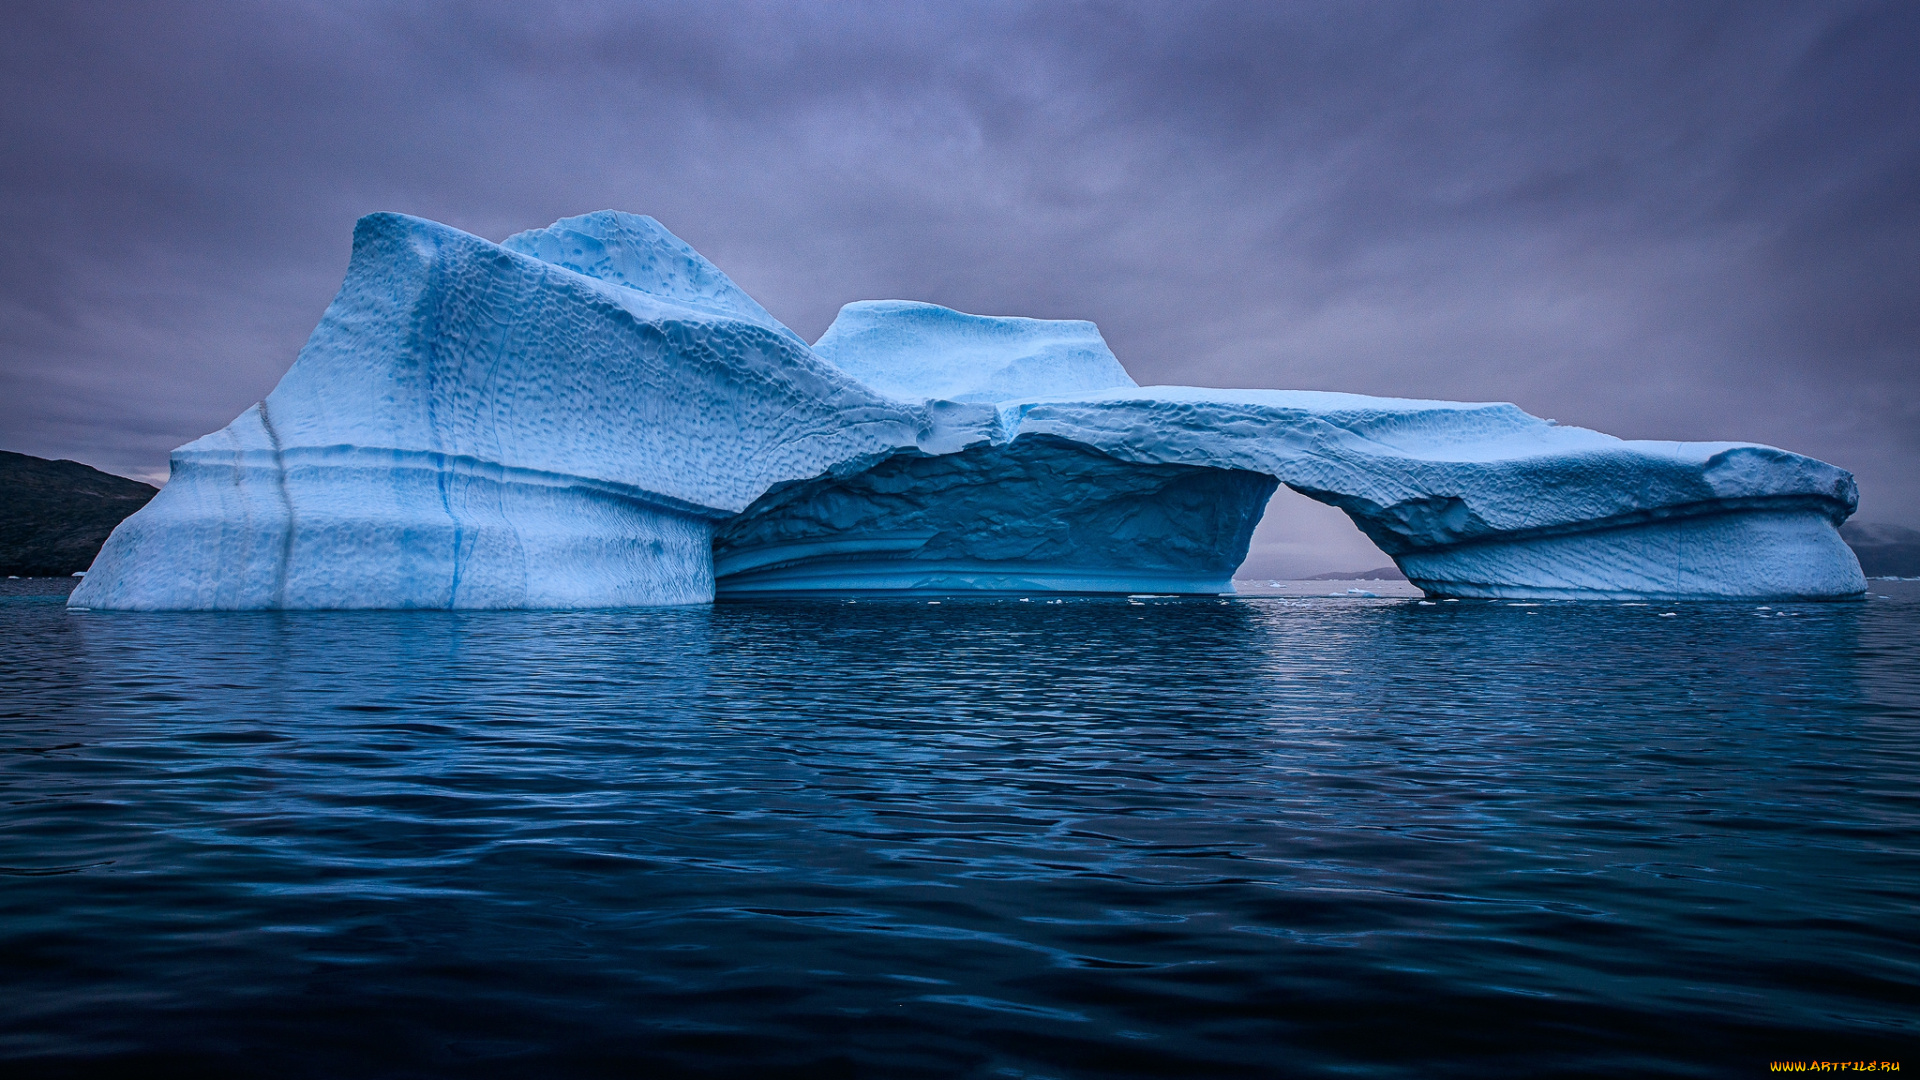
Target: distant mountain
column 1384, row 573
column 1883, row 550
column 54, row 515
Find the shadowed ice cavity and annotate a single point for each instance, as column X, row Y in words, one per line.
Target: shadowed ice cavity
column 1040, row 514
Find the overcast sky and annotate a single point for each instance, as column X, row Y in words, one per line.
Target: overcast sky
column 1671, row 221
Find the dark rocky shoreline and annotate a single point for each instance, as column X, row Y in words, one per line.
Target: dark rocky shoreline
column 54, row 515
column 1883, row 550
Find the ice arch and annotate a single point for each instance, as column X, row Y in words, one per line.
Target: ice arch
column 1470, row 499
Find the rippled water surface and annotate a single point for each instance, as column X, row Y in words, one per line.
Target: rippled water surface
column 1266, row 836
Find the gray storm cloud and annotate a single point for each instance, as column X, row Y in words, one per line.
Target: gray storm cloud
column 1663, row 221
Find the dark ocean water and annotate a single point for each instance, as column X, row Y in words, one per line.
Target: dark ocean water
column 980, row 838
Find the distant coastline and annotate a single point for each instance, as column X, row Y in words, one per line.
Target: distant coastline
column 55, row 515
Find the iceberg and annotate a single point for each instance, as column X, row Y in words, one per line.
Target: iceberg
column 474, row 426
column 593, row 415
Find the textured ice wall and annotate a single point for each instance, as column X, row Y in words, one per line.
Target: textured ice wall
column 470, row 426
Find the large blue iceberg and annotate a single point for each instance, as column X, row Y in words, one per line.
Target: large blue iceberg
column 593, row 415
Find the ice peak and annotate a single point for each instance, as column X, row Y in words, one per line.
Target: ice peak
column 914, row 351
column 636, row 252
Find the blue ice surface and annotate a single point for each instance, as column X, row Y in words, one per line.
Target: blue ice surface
column 594, row 415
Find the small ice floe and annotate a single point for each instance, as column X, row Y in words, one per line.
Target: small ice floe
column 1361, row 592
column 79, row 573
column 933, row 601
column 1668, row 614
column 1428, row 603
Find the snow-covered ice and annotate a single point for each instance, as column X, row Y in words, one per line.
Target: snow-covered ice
column 593, row 414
